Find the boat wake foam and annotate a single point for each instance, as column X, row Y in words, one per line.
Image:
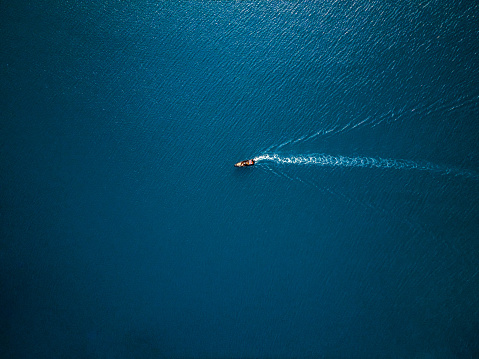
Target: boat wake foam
column 364, row 162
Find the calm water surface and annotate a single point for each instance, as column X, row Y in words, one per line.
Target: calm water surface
column 126, row 231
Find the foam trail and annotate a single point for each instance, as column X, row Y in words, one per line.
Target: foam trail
column 365, row 162
column 390, row 117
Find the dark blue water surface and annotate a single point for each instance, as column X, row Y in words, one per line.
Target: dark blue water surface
column 126, row 232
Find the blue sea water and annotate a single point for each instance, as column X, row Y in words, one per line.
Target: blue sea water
column 126, row 232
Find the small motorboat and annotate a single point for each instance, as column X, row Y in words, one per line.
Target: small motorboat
column 245, row 163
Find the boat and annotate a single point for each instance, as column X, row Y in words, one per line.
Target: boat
column 245, row 163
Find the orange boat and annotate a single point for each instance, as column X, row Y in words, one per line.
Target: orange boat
column 245, row 163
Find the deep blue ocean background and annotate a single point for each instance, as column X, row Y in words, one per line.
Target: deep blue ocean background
column 126, row 232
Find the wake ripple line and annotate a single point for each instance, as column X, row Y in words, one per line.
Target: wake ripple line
column 365, row 162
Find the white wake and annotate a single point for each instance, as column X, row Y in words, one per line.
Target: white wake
column 365, row 162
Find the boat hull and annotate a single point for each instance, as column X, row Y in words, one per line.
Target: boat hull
column 245, row 163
